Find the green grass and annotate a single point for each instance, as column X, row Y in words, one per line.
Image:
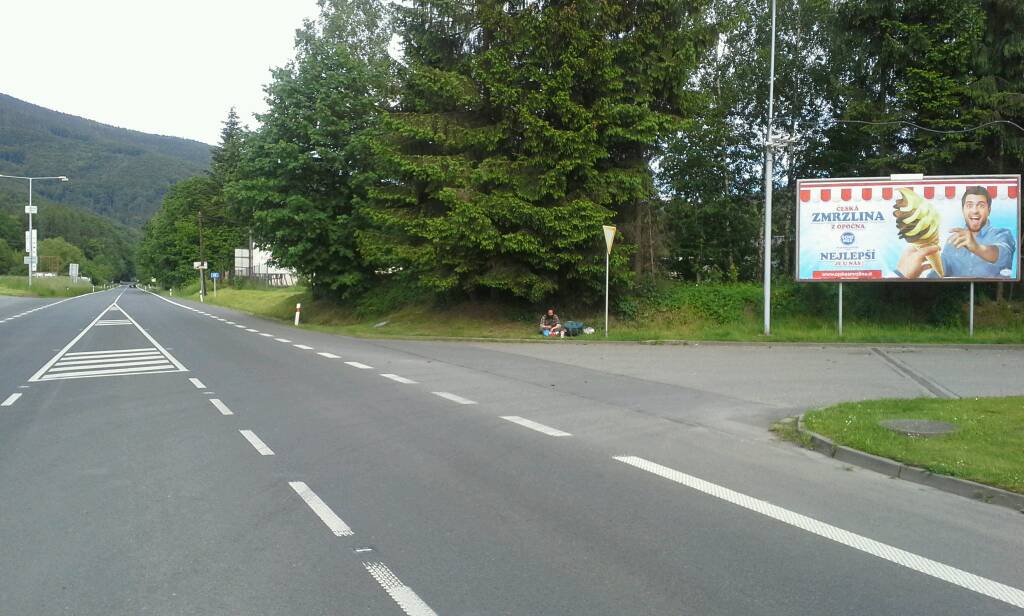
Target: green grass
column 60, row 286
column 675, row 311
column 988, row 447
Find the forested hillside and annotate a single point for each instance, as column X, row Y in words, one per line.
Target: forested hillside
column 105, row 249
column 119, row 173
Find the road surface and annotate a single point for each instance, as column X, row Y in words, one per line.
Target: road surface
column 163, row 457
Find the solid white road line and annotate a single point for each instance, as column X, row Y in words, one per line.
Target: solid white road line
column 303, row 347
column 282, row 339
column 453, row 397
column 155, row 343
column 329, row 355
column 11, row 399
column 198, row 383
column 154, row 354
column 111, row 372
column 407, row 600
column 319, row 507
column 46, row 366
column 946, row 573
column 223, row 408
column 108, row 352
column 399, row 379
column 356, row 364
column 114, row 363
column 256, row 442
column 533, row 425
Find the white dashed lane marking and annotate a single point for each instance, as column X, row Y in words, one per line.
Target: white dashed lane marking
column 399, row 379
column 329, row 355
column 256, row 442
column 282, row 340
column 946, row 573
column 405, row 597
column 303, row 347
column 223, row 408
column 198, row 383
column 320, row 508
column 356, row 364
column 453, row 397
column 252, row 331
column 11, row 399
column 533, row 425
column 266, row 335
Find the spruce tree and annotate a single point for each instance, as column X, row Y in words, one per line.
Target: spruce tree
column 522, row 127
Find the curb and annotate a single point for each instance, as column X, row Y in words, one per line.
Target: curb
column 898, row 470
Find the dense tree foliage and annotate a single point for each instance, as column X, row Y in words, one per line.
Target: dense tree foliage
column 108, row 247
column 484, row 157
column 296, row 174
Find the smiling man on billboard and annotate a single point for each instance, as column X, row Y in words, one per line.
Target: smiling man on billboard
column 977, row 250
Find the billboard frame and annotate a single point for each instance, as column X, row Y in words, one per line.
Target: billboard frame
column 910, row 179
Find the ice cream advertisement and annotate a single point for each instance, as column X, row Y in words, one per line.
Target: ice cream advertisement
column 933, row 229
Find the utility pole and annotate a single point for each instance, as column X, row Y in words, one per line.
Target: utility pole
column 202, row 274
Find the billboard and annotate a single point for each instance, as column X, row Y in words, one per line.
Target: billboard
column 922, row 228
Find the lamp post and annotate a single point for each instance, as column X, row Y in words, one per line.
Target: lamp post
column 31, row 210
column 768, row 189
column 771, row 143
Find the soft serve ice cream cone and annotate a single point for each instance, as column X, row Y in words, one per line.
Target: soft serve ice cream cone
column 917, row 221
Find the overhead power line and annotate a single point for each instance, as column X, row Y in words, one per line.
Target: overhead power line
column 933, row 130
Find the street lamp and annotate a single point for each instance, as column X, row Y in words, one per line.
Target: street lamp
column 30, row 209
column 772, row 142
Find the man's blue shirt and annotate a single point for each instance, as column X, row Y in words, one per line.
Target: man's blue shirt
column 962, row 263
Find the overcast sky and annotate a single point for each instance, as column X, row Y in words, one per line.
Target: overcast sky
column 171, row 67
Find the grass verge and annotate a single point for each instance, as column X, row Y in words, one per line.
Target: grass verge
column 710, row 312
column 59, row 286
column 988, row 446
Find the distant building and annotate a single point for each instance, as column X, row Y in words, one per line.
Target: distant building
column 262, row 268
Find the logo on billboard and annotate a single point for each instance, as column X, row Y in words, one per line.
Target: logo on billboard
column 847, row 238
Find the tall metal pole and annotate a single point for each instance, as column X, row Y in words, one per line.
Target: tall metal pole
column 31, row 244
column 768, row 189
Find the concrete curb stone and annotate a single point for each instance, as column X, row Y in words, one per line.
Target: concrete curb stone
column 898, row 470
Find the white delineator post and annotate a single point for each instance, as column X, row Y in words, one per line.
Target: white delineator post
column 609, row 239
column 298, row 309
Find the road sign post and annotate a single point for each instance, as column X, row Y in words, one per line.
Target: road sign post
column 214, row 276
column 200, row 265
column 609, row 239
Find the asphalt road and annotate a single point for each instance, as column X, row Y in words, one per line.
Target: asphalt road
column 168, row 458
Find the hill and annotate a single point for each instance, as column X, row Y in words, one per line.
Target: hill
column 119, row 173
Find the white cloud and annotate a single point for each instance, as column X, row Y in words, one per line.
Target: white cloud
column 172, row 68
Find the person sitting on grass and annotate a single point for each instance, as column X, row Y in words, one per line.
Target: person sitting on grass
column 550, row 325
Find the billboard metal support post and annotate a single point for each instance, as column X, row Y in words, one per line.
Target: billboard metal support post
column 606, row 267
column 840, row 310
column 970, row 320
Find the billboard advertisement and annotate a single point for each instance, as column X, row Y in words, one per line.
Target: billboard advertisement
column 925, row 228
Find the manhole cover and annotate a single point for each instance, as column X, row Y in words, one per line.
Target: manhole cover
column 918, row 427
